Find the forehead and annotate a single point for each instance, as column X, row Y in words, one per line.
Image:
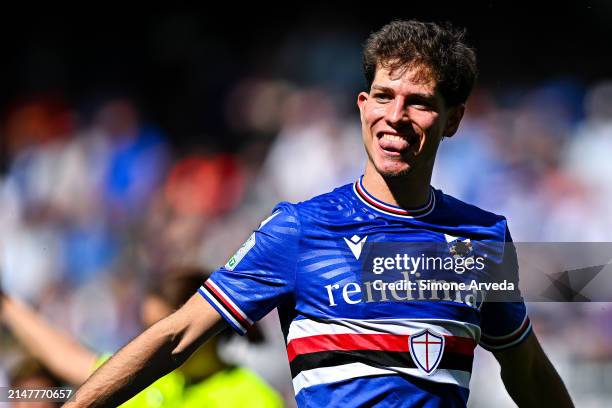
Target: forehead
column 405, row 79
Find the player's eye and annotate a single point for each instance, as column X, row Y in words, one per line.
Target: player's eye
column 421, row 103
column 382, row 97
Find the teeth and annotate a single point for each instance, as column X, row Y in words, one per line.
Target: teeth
column 393, row 137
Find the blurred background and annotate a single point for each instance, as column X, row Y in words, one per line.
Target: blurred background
column 133, row 141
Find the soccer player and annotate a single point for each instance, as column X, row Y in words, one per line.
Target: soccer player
column 347, row 347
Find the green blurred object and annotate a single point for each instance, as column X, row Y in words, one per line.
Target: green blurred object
column 231, row 387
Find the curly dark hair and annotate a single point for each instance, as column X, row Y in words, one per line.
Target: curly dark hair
column 439, row 48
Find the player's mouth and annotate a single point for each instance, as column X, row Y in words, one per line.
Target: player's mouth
column 396, row 144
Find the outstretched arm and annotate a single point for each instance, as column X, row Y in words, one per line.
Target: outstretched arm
column 530, row 378
column 49, row 345
column 160, row 349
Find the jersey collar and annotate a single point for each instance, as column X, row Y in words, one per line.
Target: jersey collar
column 374, row 203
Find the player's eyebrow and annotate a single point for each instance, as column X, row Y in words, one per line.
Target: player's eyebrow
column 419, row 95
column 382, row 88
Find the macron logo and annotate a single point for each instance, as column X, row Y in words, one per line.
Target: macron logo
column 355, row 244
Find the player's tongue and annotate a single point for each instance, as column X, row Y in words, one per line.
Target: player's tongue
column 392, row 143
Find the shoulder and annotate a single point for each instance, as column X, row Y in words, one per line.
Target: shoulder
column 331, row 204
column 340, row 199
column 459, row 213
column 288, row 220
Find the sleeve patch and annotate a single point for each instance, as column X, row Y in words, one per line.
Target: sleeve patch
column 242, row 251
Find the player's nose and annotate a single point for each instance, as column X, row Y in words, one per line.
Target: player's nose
column 397, row 113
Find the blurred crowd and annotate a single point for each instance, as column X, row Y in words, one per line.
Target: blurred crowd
column 94, row 204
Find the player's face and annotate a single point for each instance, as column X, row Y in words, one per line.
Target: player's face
column 403, row 119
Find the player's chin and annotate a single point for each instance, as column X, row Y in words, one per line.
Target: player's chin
column 394, row 169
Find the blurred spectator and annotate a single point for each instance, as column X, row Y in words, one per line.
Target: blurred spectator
column 205, row 186
column 137, row 157
column 30, row 374
column 204, row 379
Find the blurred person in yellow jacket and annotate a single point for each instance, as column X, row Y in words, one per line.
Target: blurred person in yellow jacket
column 204, row 380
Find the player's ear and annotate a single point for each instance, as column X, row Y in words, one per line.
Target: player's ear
column 454, row 116
column 362, row 98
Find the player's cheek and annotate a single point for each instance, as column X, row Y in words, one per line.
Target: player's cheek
column 427, row 123
column 374, row 113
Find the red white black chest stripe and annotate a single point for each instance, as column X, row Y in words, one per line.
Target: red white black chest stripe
column 327, row 351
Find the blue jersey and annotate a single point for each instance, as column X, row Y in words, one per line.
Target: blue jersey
column 345, row 345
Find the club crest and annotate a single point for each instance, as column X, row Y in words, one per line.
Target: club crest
column 426, row 349
column 459, row 247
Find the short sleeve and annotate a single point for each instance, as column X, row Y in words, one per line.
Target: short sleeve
column 261, row 274
column 505, row 324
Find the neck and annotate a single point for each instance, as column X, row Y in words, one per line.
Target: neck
column 410, row 191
